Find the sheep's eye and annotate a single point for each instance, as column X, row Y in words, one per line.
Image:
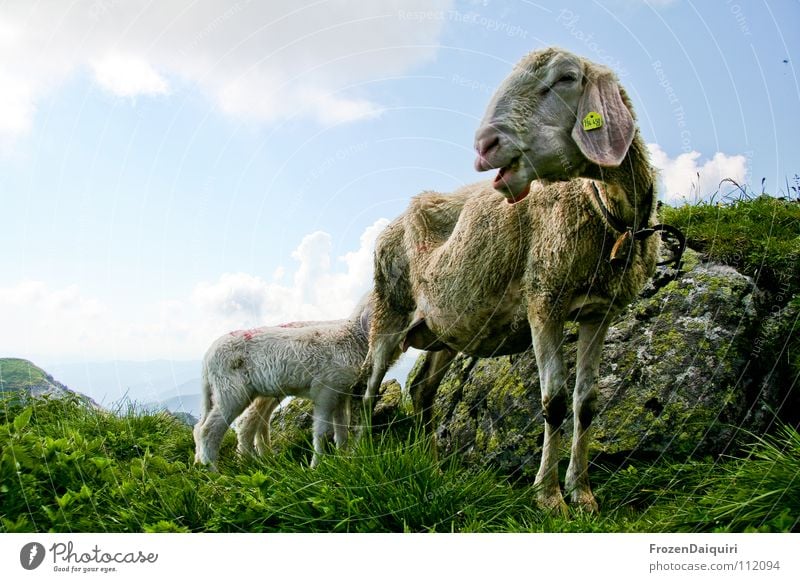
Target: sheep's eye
column 567, row 78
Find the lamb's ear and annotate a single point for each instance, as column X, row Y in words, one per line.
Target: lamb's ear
column 604, row 128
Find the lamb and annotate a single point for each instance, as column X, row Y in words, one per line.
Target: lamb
column 255, row 369
column 558, row 235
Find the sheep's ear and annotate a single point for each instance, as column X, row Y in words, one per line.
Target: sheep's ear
column 604, row 127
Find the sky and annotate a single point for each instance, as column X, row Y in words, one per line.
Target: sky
column 170, row 171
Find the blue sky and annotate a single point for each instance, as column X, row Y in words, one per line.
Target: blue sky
column 172, row 171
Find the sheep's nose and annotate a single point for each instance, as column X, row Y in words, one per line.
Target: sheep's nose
column 486, row 141
column 486, row 144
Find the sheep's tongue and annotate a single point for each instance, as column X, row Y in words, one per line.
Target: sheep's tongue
column 511, row 197
column 522, row 194
column 499, row 177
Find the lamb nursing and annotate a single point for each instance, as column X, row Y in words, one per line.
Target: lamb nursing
column 500, row 265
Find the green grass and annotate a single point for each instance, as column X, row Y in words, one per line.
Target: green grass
column 65, row 467
column 17, row 374
column 760, row 236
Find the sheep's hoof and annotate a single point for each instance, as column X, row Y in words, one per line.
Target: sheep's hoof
column 585, row 501
column 553, row 503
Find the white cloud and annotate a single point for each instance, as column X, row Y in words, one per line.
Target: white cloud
column 128, row 76
column 16, row 107
column 261, row 61
column 43, row 322
column 678, row 176
column 40, row 319
column 234, row 295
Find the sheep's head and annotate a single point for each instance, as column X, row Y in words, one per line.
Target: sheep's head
column 552, row 117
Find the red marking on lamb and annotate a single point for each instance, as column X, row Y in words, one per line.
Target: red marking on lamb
column 247, row 334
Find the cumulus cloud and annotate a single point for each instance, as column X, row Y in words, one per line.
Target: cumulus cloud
column 687, row 179
column 321, row 288
column 42, row 321
column 128, row 76
column 262, row 61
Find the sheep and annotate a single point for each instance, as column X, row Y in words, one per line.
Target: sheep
column 255, row 369
column 503, row 264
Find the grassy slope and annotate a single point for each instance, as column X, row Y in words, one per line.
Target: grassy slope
column 17, row 374
column 66, row 468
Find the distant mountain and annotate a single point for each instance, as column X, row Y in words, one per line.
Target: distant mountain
column 188, row 388
column 186, row 403
column 21, row 376
column 140, row 382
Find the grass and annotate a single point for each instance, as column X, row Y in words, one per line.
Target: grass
column 17, row 374
column 758, row 235
column 65, row 467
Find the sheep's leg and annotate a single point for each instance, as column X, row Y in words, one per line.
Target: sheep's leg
column 208, row 404
column 253, row 431
column 231, row 399
column 548, row 337
column 584, row 403
column 386, row 334
column 199, row 444
column 246, row 430
column 426, row 383
column 341, row 422
column 263, row 439
column 321, row 425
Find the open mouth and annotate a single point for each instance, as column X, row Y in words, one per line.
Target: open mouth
column 505, row 177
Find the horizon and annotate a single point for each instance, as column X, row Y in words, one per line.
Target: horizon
column 173, row 173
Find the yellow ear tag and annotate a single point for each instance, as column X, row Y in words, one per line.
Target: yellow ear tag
column 593, row 120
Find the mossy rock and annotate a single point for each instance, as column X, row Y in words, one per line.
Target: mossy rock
column 291, row 423
column 776, row 354
column 672, row 380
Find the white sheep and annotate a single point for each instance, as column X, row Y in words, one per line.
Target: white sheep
column 473, row 273
column 255, row 369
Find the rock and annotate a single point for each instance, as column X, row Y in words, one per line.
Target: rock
column 392, row 407
column 776, row 355
column 291, row 423
column 673, row 380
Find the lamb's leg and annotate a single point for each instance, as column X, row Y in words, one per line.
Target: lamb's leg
column 253, row 433
column 321, row 426
column 200, row 449
column 341, row 422
column 263, row 440
column 548, row 337
column 584, row 403
column 231, row 398
column 426, row 383
column 246, row 430
column 207, row 403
